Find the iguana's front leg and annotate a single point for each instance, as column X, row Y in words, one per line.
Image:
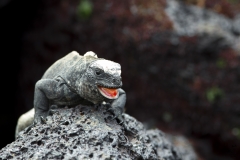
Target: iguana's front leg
column 117, row 105
column 45, row 91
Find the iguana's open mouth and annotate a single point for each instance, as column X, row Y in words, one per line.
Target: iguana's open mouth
column 110, row 93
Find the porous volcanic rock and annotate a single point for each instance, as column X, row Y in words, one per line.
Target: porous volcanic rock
column 87, row 132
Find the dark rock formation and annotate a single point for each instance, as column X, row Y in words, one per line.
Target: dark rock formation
column 190, row 20
column 86, row 132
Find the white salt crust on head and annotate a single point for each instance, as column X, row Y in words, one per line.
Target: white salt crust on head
column 110, row 67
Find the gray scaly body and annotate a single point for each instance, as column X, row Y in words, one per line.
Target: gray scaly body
column 73, row 80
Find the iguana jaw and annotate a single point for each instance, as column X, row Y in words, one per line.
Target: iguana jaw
column 110, row 93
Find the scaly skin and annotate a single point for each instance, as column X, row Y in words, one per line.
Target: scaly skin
column 76, row 79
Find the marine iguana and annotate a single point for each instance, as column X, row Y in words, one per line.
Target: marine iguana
column 73, row 80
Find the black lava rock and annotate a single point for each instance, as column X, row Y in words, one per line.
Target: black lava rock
column 87, row 132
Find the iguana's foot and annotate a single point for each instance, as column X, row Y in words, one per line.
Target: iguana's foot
column 40, row 117
column 42, row 121
column 117, row 114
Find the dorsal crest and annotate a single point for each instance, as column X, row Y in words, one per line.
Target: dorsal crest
column 90, row 53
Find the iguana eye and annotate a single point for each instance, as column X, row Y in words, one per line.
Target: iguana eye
column 98, row 71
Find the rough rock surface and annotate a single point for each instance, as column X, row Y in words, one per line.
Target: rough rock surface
column 190, row 20
column 87, row 132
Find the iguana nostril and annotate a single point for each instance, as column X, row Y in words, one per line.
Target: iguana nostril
column 116, row 80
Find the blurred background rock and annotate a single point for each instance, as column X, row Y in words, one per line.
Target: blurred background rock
column 180, row 61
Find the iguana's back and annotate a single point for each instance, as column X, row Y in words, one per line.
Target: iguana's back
column 62, row 66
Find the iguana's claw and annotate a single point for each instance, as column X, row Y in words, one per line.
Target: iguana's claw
column 114, row 117
column 118, row 118
column 121, row 122
column 51, row 112
column 43, row 120
column 39, row 120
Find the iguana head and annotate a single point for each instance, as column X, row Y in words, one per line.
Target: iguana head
column 101, row 81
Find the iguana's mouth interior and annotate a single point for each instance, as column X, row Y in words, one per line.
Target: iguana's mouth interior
column 110, row 93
